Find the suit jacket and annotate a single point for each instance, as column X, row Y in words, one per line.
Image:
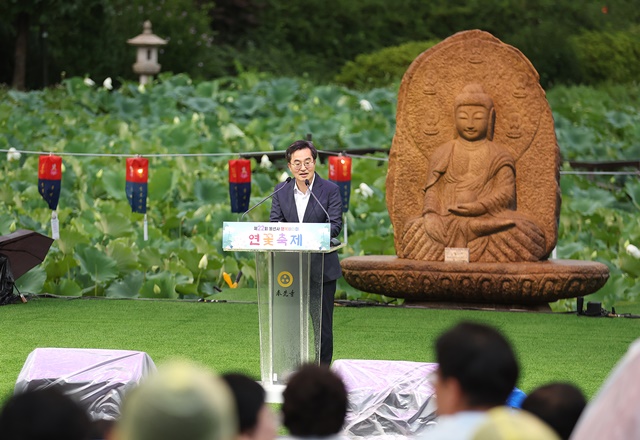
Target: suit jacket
column 283, row 209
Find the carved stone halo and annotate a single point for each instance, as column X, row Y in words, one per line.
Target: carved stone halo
column 431, row 121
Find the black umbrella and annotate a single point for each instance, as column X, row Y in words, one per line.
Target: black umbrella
column 25, row 250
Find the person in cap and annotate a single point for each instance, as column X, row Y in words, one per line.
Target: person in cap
column 504, row 423
column 181, row 401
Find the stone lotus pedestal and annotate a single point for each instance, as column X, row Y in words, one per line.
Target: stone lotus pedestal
column 474, row 164
column 528, row 284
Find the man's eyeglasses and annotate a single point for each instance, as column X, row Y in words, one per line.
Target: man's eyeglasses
column 307, row 164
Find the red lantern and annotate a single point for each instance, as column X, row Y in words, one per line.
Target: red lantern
column 239, row 184
column 49, row 179
column 340, row 174
column 136, row 187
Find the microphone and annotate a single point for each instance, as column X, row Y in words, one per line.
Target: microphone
column 266, row 198
column 306, row 182
column 334, row 241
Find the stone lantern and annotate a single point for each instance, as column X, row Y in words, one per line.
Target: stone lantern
column 146, row 64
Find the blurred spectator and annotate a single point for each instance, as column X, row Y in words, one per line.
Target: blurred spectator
column 559, row 405
column 315, row 403
column 613, row 413
column 503, row 423
column 44, row 414
column 477, row 370
column 101, row 429
column 179, row 402
column 256, row 420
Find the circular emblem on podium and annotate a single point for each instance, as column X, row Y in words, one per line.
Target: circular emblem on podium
column 285, row 279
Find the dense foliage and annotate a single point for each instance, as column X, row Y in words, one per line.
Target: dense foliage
column 383, row 67
column 102, row 252
column 613, row 56
column 210, row 39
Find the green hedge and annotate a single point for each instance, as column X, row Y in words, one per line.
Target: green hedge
column 612, row 56
column 381, row 68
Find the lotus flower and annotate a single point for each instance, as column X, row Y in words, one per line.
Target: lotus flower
column 365, row 190
column 13, row 155
column 265, row 162
column 633, row 251
column 366, row 105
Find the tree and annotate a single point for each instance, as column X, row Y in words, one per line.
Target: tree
column 21, row 14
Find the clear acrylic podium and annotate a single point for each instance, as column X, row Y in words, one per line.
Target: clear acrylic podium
column 289, row 312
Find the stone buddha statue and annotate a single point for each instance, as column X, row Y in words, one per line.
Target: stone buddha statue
column 470, row 196
column 474, row 164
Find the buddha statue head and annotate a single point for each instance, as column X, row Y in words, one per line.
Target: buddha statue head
column 474, row 114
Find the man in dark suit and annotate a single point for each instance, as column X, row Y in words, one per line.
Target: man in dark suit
column 295, row 204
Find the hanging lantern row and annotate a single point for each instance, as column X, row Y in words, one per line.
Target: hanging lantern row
column 136, row 187
column 137, row 179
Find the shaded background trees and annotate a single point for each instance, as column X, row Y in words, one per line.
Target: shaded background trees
column 42, row 41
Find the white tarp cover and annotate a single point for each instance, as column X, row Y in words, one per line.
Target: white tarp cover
column 95, row 378
column 391, row 399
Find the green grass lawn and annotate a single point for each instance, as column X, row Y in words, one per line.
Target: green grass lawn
column 224, row 336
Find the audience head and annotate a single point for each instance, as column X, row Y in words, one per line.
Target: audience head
column 504, row 423
column 179, row 401
column 315, row 402
column 477, row 368
column 45, row 414
column 559, row 405
column 255, row 419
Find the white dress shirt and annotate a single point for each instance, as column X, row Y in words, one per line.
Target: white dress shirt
column 301, row 199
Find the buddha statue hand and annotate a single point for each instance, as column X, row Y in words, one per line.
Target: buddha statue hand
column 473, row 209
column 490, row 225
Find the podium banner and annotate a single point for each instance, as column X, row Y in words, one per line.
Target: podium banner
column 268, row 236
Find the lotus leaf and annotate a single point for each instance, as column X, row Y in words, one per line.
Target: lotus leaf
column 32, row 281
column 99, row 266
column 129, row 287
column 160, row 285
